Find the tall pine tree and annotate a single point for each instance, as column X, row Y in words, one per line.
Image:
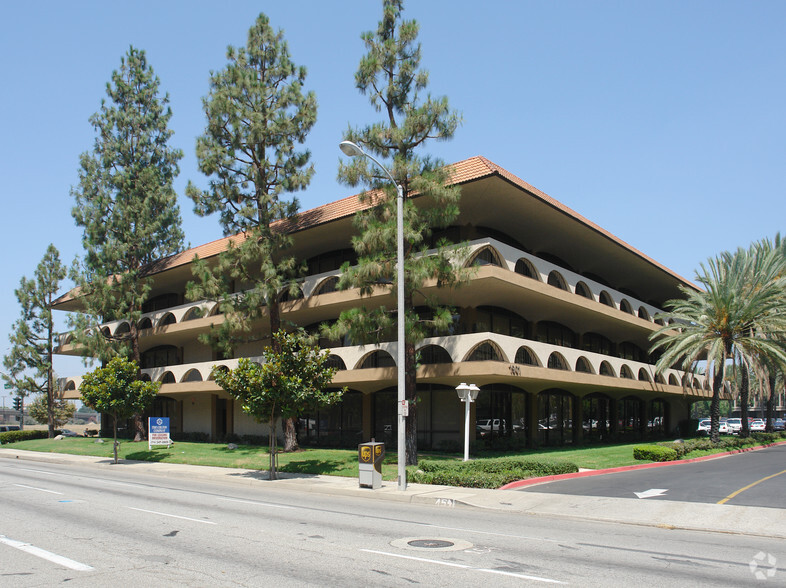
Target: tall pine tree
column 29, row 362
column 127, row 208
column 257, row 116
column 390, row 75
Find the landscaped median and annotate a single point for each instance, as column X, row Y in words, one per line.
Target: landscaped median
column 486, row 470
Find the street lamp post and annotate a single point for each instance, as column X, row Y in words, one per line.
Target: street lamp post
column 352, row 150
column 467, row 393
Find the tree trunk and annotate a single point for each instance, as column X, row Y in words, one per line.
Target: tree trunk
column 139, row 429
column 410, row 388
column 771, row 381
column 290, row 435
column 114, row 428
column 272, row 472
column 745, row 430
column 717, row 381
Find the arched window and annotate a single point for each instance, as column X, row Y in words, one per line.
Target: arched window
column 583, row 290
column 335, row 362
column 193, row 313
column 331, row 261
column 606, row 369
column 525, row 268
column 557, row 362
column 486, row 256
column 145, row 377
column 583, row 365
column 605, row 298
column 626, row 307
column 432, row 354
column 596, row 409
column 644, row 376
column 555, row 417
column 625, row 372
column 525, row 356
column 145, row 323
column 378, row 359
column 643, row 314
column 123, row 329
column 216, row 369
column 329, row 285
column 556, row 280
column 673, row 380
column 71, row 385
column 167, row 378
column 167, row 319
column 485, row 352
column 660, row 379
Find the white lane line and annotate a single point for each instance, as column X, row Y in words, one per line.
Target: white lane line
column 465, row 567
column 164, row 514
column 47, row 555
column 39, row 489
column 257, row 503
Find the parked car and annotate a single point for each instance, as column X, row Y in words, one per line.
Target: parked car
column 779, row 425
column 486, row 426
column 67, row 433
column 6, row 428
column 704, row 427
column 758, row 426
column 735, row 425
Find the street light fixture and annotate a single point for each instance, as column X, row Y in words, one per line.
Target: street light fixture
column 352, row 150
column 467, row 393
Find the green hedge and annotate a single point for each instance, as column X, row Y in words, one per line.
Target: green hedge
column 14, row 436
column 487, row 473
column 664, row 451
column 654, row 453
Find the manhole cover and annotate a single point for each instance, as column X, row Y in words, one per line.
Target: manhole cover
column 430, row 543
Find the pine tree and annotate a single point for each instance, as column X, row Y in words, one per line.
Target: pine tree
column 29, row 362
column 257, row 115
column 390, row 75
column 127, row 208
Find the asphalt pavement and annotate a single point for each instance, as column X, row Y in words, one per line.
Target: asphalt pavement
column 718, row 518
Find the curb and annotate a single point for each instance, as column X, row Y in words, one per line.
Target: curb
column 642, row 466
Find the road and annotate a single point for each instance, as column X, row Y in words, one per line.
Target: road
column 753, row 478
column 91, row 527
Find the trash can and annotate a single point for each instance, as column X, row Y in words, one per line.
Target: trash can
column 370, row 456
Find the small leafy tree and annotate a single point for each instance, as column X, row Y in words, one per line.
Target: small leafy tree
column 116, row 391
column 61, row 411
column 291, row 379
column 390, row 75
column 257, row 116
column 29, row 362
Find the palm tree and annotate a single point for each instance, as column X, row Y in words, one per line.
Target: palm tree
column 721, row 323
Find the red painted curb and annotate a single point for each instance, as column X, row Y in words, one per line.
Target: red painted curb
column 642, row 466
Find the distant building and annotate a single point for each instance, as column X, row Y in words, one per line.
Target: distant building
column 553, row 327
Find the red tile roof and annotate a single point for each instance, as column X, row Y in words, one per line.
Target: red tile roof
column 463, row 172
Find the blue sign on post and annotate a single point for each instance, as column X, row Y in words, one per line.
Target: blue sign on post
column 158, row 432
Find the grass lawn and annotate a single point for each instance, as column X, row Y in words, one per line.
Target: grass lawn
column 334, row 462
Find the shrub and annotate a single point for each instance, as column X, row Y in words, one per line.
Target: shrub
column 14, row 436
column 655, row 453
column 487, row 473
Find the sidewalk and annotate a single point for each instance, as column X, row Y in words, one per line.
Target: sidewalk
column 765, row 522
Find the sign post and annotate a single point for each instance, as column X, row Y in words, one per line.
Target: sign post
column 158, row 432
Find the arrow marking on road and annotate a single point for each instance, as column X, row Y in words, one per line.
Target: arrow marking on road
column 651, row 492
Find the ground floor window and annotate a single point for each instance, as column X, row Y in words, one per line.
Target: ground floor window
column 656, row 424
column 340, row 425
column 596, row 418
column 555, row 417
column 629, row 418
column 500, row 412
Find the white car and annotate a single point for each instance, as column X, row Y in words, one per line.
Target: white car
column 735, row 425
column 704, row 427
column 758, row 426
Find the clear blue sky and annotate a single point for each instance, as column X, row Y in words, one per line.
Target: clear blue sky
column 661, row 121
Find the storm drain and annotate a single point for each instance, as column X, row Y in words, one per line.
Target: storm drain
column 433, row 543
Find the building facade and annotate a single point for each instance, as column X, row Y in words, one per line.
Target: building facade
column 553, row 327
